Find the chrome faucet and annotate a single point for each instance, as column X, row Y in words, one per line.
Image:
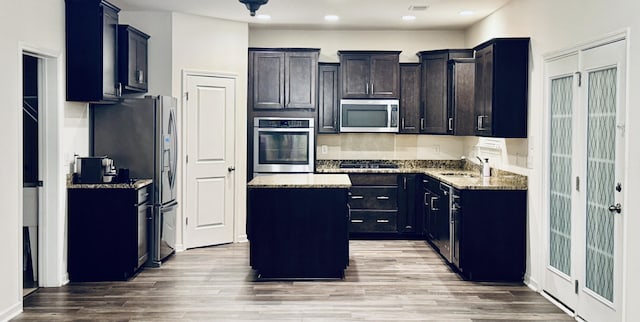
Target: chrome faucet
column 479, row 159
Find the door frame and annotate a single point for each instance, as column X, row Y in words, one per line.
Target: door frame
column 240, row 140
column 623, row 34
column 52, row 270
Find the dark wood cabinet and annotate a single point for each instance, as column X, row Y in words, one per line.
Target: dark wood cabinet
column 133, row 71
column 328, row 98
column 91, row 51
column 501, row 87
column 409, row 217
column 107, row 232
column 436, row 89
column 298, row 232
column 460, row 104
column 283, row 78
column 370, row 74
column 433, row 206
column 409, row 98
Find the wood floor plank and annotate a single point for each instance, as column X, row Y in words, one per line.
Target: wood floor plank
column 389, row 280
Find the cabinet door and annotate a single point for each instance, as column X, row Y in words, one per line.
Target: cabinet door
column 300, row 79
column 409, row 98
column 461, row 76
column 132, row 57
column 434, row 78
column 355, row 76
column 484, row 91
column 328, row 100
column 267, row 79
column 408, row 220
column 384, row 79
column 110, row 86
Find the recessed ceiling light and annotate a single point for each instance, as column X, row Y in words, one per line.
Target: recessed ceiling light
column 408, row 18
column 331, row 17
column 466, row 12
column 263, row 17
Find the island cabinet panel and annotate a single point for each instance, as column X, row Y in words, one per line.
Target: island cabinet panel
column 501, row 87
column 283, row 78
column 298, row 232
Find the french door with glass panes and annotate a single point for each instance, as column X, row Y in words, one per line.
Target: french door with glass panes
column 586, row 93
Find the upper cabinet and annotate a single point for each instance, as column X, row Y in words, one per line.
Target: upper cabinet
column 370, row 74
column 436, row 116
column 460, row 100
column 501, row 87
column 91, row 51
column 132, row 59
column 409, row 98
column 328, row 98
column 283, row 78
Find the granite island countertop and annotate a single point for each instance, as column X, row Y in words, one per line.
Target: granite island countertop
column 301, row 180
column 460, row 174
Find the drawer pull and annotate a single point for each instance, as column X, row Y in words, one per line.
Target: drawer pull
column 357, row 221
column 382, row 198
column 382, row 221
column 357, row 197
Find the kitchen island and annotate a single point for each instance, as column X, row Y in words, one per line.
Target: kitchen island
column 298, row 225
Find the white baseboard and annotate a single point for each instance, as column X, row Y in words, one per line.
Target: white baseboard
column 242, row 239
column 531, row 283
column 11, row 312
column 180, row 248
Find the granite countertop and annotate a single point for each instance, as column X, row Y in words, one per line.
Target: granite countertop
column 301, row 180
column 136, row 184
column 460, row 174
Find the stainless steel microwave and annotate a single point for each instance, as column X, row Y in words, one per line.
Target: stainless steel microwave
column 369, row 115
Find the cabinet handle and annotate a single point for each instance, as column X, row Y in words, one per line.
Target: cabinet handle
column 366, row 91
column 357, row 221
column 140, row 76
column 119, row 89
column 433, row 199
column 422, row 123
column 403, row 123
column 451, row 124
column 481, row 122
column 426, row 196
column 404, row 183
column 372, row 89
column 357, row 197
column 382, row 221
column 382, row 198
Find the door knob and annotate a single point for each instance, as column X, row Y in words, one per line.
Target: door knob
column 231, row 168
column 617, row 208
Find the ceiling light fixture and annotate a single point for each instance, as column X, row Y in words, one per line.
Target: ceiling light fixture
column 331, row 17
column 465, row 12
column 253, row 5
column 408, row 18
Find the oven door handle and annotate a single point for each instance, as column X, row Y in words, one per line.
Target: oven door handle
column 297, row 129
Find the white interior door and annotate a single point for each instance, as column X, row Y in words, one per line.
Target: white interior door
column 603, row 94
column 209, row 174
column 585, row 180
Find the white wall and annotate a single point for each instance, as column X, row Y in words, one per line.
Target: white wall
column 553, row 26
column 214, row 45
column 330, row 41
column 37, row 26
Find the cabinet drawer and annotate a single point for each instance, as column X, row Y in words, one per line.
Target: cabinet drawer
column 373, row 179
column 378, row 198
column 366, row 221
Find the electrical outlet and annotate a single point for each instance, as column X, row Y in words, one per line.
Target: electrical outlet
column 436, row 148
column 324, row 149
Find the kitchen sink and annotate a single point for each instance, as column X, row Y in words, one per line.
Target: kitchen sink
column 460, row 174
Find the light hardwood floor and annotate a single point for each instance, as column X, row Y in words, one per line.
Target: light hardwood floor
column 392, row 280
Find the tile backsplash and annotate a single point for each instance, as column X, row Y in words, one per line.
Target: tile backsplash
column 386, row 146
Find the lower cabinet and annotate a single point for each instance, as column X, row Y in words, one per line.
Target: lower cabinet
column 481, row 233
column 107, row 232
column 384, row 205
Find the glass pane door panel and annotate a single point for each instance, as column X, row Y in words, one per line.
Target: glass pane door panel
column 283, row 147
column 560, row 174
column 601, row 150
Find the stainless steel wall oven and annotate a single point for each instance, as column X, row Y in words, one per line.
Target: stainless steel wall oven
column 283, row 145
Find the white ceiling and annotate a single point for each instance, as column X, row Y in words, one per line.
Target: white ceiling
column 354, row 14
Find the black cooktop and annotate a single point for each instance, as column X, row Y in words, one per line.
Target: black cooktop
column 367, row 165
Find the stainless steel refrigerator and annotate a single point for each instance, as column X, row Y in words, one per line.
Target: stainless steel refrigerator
column 140, row 134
